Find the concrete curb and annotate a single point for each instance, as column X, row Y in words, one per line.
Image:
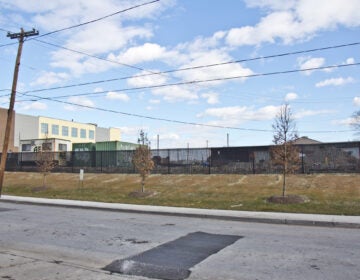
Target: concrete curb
column 246, row 216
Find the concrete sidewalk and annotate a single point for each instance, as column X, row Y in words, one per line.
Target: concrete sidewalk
column 247, row 216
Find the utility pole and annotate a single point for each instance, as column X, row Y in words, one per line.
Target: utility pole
column 20, row 36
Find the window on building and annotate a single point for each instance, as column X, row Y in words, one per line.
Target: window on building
column 46, row 146
column 91, row 134
column 55, row 129
column 82, row 133
column 44, row 128
column 62, row 147
column 74, row 132
column 65, row 131
column 26, row 147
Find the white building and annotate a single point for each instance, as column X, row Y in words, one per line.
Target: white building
column 32, row 128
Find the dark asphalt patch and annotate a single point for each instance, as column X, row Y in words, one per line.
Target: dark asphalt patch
column 173, row 259
column 5, row 209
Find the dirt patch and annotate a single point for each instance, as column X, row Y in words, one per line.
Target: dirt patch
column 288, row 199
column 39, row 189
column 140, row 194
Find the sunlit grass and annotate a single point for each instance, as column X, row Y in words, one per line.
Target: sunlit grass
column 328, row 193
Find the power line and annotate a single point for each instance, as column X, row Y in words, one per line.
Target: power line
column 177, row 70
column 94, row 56
column 98, row 19
column 85, row 23
column 175, row 121
column 201, row 81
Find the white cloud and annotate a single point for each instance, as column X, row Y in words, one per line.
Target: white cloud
column 143, row 53
column 307, row 113
column 309, row 63
column 147, row 79
column 154, row 101
column 50, row 78
column 307, row 17
column 111, row 35
column 356, row 101
column 211, row 97
column 201, row 57
column 291, row 96
column 176, row 93
column 83, row 101
column 335, row 82
column 132, row 131
column 350, row 60
column 166, row 136
column 347, row 121
column 117, row 96
column 34, row 106
column 276, row 25
column 238, row 114
column 98, row 89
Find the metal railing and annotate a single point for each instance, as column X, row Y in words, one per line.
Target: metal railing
column 315, row 158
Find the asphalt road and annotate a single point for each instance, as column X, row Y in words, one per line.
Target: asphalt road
column 46, row 242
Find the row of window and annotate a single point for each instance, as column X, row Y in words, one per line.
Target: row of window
column 75, row 132
column 43, row 147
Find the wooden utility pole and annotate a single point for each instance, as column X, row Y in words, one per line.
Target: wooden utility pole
column 20, row 36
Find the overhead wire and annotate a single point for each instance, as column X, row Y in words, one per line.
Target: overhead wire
column 192, row 68
column 83, row 23
column 97, row 19
column 203, row 81
column 180, row 69
column 175, row 121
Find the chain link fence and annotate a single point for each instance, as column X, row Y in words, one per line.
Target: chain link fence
column 315, row 158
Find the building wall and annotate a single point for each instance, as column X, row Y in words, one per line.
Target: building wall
column 34, row 145
column 3, row 120
column 88, row 128
column 114, row 134
column 107, row 134
column 32, row 127
column 26, row 127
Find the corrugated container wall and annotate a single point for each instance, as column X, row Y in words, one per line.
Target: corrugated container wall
column 109, row 153
column 83, row 147
column 115, row 146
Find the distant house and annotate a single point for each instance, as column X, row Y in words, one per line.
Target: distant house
column 306, row 141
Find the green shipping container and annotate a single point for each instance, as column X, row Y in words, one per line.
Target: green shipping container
column 84, row 147
column 112, row 153
column 115, row 146
column 84, row 154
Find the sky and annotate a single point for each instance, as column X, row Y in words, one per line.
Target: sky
column 149, row 65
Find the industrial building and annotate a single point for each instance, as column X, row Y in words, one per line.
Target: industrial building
column 3, row 118
column 31, row 129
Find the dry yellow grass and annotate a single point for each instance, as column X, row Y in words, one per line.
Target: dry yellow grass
column 328, row 193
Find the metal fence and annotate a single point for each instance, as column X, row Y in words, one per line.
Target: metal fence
column 315, row 158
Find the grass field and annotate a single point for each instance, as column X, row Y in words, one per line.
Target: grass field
column 327, row 193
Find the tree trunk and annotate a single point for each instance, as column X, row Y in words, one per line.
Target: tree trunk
column 284, row 183
column 142, row 185
column 44, row 180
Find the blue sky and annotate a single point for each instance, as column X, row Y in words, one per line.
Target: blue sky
column 171, row 35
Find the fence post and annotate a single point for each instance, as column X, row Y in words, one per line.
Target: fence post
column 72, row 161
column 209, row 153
column 20, row 162
column 101, row 161
column 302, row 160
column 168, row 161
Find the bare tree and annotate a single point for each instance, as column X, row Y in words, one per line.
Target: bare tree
column 142, row 159
column 356, row 121
column 284, row 154
column 45, row 160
